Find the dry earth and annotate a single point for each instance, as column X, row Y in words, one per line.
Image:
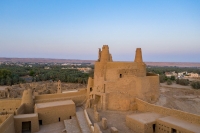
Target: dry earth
column 180, row 97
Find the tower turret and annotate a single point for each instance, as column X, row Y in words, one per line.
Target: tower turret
column 27, row 100
column 138, row 55
column 105, row 56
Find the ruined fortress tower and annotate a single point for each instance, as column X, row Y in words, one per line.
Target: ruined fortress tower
column 117, row 84
column 28, row 102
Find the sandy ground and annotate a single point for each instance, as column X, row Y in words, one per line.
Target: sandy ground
column 180, row 97
column 52, row 128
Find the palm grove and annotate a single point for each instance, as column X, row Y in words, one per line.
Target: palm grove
column 13, row 74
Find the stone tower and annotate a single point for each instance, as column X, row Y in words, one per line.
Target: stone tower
column 138, row 55
column 104, row 55
column 59, row 87
column 141, row 65
column 27, row 100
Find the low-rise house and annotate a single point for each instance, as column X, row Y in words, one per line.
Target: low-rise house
column 170, row 74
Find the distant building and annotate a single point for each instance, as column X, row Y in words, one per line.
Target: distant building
column 170, row 74
column 192, row 75
column 46, row 67
column 85, row 70
column 181, row 74
column 64, row 64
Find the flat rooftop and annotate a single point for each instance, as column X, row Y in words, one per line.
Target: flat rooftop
column 181, row 123
column 145, row 117
column 54, row 104
column 26, row 115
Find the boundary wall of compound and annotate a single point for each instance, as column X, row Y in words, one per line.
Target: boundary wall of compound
column 20, row 110
column 78, row 97
column 147, row 107
column 8, row 125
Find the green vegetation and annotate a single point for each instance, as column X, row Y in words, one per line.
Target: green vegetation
column 183, row 82
column 195, row 84
column 13, row 74
column 162, row 70
column 169, row 82
column 9, row 78
column 162, row 78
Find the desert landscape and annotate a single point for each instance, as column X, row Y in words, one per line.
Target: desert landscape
column 99, row 66
column 46, row 60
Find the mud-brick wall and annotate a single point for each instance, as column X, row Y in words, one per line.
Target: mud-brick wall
column 163, row 127
column 20, row 110
column 55, row 114
column 8, row 124
column 147, row 107
column 134, row 125
column 78, row 97
column 9, row 106
column 19, row 119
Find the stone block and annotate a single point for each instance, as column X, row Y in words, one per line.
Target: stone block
column 96, row 116
column 113, row 130
column 97, row 128
column 104, row 123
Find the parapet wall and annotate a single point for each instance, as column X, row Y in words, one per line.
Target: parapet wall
column 8, row 125
column 9, row 106
column 20, row 110
column 147, row 107
column 78, row 97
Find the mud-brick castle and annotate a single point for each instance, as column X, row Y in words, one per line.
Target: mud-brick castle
column 120, row 86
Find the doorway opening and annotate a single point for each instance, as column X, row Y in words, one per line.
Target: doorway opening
column 26, row 126
column 59, row 119
column 40, row 122
column 154, row 128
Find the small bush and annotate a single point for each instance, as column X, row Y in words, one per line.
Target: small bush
column 172, row 78
column 195, row 84
column 183, row 81
column 162, row 78
column 169, row 82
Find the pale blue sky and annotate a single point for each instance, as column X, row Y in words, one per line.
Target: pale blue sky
column 166, row 30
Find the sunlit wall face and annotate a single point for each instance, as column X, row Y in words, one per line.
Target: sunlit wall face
column 165, row 30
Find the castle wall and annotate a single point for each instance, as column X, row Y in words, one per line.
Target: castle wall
column 78, row 97
column 119, row 101
column 135, row 125
column 7, row 125
column 20, row 110
column 27, row 100
column 32, row 118
column 163, row 127
column 148, row 88
column 89, row 86
column 55, row 111
column 9, row 106
column 147, row 107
